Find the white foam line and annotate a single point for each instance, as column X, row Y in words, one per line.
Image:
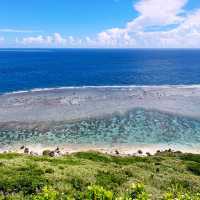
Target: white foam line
column 99, row 87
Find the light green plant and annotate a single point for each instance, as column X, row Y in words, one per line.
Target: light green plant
column 136, row 192
column 47, row 193
column 98, row 193
column 181, row 196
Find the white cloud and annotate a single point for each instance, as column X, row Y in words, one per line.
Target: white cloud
column 8, row 30
column 1, row 39
column 58, row 39
column 51, row 40
column 184, row 31
column 158, row 12
column 187, row 34
column 173, row 27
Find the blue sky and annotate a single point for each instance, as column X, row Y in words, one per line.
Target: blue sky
column 100, row 23
column 74, row 17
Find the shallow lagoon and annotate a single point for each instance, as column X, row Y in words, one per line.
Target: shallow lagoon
column 135, row 127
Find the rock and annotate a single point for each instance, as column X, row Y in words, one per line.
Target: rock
column 26, row 150
column 46, row 152
column 116, row 152
column 52, row 153
column 57, row 149
column 158, row 151
column 140, row 152
column 148, row 154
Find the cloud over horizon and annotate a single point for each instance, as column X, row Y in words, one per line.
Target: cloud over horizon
column 1, row 39
column 158, row 25
column 8, row 30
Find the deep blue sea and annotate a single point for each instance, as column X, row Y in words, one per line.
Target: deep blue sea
column 24, row 69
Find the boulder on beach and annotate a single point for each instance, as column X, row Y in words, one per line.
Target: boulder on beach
column 117, row 152
column 140, row 152
column 22, row 147
column 148, row 153
column 46, row 152
column 26, row 150
column 53, row 153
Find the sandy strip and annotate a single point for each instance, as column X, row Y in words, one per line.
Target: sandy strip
column 120, row 149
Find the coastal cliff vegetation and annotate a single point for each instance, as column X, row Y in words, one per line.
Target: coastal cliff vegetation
column 96, row 176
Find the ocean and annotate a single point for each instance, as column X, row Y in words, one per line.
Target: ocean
column 89, row 97
column 26, row 69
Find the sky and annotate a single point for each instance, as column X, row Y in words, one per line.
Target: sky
column 100, row 24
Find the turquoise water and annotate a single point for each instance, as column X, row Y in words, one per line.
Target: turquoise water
column 135, row 127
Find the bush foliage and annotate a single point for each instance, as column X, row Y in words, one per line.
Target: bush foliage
column 96, row 176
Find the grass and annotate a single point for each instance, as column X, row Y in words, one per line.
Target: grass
column 25, row 176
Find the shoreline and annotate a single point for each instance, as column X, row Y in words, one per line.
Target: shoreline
column 128, row 150
column 99, row 87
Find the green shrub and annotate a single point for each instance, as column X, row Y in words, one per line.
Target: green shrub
column 99, row 157
column 110, row 179
column 181, row 196
column 191, row 157
column 64, row 160
column 49, row 171
column 194, row 168
column 13, row 196
column 136, row 192
column 9, row 156
column 130, row 160
column 94, row 156
column 98, row 193
column 28, row 179
column 178, row 192
column 47, row 193
column 78, row 184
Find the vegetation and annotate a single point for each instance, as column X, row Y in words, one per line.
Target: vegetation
column 95, row 176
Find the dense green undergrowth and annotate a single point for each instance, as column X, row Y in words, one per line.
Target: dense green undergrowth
column 92, row 175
